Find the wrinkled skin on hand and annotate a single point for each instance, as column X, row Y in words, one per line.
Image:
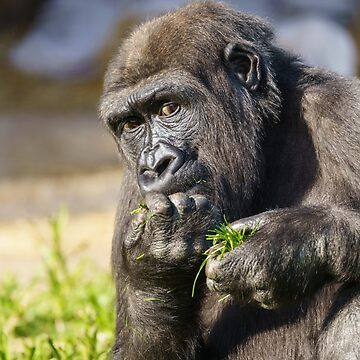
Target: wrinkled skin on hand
column 171, row 231
column 272, row 268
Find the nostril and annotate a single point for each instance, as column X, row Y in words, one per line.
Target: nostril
column 157, row 167
column 163, row 165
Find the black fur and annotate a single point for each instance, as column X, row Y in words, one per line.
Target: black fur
column 265, row 139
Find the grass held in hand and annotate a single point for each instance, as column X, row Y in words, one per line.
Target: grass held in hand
column 224, row 238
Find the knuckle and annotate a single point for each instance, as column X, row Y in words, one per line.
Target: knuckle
column 212, row 270
column 200, row 245
column 213, row 285
column 159, row 204
column 182, row 202
column 201, row 202
column 249, row 222
column 265, row 299
column 178, row 198
column 210, row 284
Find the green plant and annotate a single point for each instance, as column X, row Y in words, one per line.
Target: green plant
column 224, row 238
column 141, row 207
column 65, row 313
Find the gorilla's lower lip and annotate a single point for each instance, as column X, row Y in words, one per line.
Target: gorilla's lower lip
column 150, row 174
column 172, row 188
column 192, row 178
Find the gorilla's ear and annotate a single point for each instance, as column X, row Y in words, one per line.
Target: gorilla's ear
column 245, row 64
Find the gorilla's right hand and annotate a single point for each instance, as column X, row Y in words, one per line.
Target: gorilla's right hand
column 169, row 234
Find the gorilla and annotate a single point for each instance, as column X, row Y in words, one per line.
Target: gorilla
column 212, row 119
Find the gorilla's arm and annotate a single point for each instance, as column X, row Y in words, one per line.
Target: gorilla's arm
column 224, row 118
column 155, row 262
column 293, row 253
column 298, row 249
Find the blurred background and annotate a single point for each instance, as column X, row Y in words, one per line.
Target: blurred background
column 53, row 149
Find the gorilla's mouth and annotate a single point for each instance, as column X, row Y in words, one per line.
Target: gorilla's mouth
column 157, row 172
column 191, row 178
column 163, row 166
column 160, row 177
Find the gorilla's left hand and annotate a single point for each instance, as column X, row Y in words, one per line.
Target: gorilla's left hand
column 280, row 263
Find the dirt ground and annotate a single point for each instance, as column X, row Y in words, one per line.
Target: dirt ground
column 24, row 242
column 27, row 205
column 53, row 152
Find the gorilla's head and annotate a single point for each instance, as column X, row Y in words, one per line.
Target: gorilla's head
column 186, row 99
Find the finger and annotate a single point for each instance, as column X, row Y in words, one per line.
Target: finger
column 137, row 225
column 253, row 222
column 183, row 203
column 212, row 269
column 212, row 285
column 204, row 206
column 139, row 220
column 158, row 204
column 201, row 202
column 265, row 299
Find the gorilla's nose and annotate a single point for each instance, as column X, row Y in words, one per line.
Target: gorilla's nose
column 157, row 166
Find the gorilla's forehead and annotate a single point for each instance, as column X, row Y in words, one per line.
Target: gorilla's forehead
column 192, row 38
column 177, row 85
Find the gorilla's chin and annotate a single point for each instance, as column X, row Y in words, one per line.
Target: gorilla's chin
column 174, row 187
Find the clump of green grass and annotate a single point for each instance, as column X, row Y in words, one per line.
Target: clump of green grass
column 64, row 313
column 224, row 239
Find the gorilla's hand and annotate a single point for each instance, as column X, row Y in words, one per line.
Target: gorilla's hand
column 170, row 233
column 282, row 262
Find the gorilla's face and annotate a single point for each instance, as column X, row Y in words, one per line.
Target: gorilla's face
column 185, row 123
column 158, row 127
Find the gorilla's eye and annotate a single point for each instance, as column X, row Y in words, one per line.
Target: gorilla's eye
column 169, row 109
column 131, row 124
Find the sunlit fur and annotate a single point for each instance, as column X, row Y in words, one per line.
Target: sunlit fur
column 293, row 142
